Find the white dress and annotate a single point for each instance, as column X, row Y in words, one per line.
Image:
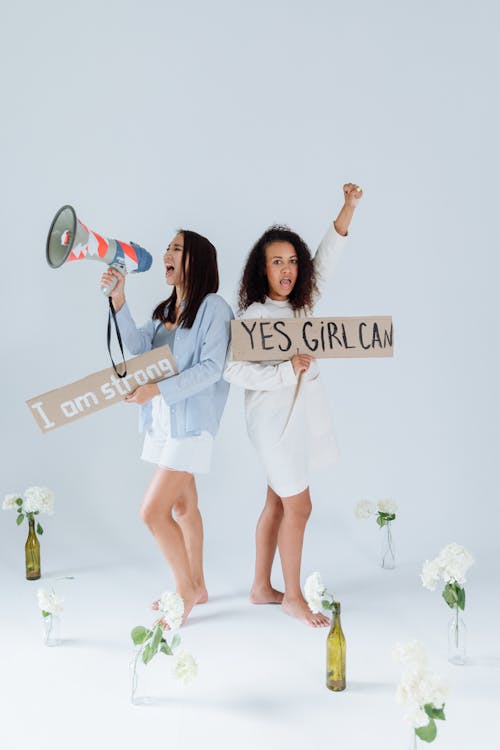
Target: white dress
column 288, row 418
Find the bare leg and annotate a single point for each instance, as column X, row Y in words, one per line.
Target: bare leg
column 266, row 539
column 156, row 511
column 188, row 517
column 296, row 511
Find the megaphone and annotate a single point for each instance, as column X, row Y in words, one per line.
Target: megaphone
column 69, row 239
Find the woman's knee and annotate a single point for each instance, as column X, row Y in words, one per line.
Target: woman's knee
column 152, row 513
column 300, row 506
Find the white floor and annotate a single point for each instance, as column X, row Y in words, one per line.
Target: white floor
column 261, row 674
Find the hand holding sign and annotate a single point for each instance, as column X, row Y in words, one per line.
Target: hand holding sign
column 143, row 394
column 300, row 363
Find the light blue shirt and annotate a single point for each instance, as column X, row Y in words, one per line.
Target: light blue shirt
column 198, row 394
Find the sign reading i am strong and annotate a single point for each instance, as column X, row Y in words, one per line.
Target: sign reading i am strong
column 99, row 390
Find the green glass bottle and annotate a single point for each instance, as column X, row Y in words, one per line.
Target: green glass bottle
column 335, row 654
column 32, row 553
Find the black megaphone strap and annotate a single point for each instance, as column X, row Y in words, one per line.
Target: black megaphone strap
column 112, row 314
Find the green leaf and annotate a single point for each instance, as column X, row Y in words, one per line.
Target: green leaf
column 140, row 634
column 45, row 614
column 19, row 501
column 157, row 636
column 427, row 733
column 165, row 649
column 380, row 521
column 39, row 529
column 175, row 641
column 450, row 595
column 147, row 653
column 461, row 597
column 20, row 519
column 433, row 712
column 326, row 604
column 19, row 510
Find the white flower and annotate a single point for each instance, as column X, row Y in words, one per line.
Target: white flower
column 39, row 499
column 451, row 565
column 314, row 590
column 10, row 501
column 171, row 606
column 411, row 653
column 49, row 602
column 415, row 715
column 185, row 667
column 455, row 561
column 387, row 506
column 431, row 573
column 364, row 509
column 419, row 686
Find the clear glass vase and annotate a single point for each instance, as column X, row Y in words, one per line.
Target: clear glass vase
column 456, row 638
column 52, row 630
column 387, row 549
column 150, row 682
column 412, row 745
column 134, row 671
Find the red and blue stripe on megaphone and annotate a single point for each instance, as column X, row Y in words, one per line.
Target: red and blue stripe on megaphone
column 69, row 240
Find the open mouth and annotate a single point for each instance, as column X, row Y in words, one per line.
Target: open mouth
column 169, row 268
column 285, row 283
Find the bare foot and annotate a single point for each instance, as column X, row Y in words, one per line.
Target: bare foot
column 265, row 595
column 203, row 597
column 298, row 608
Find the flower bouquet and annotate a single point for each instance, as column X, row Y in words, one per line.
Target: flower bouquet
column 318, row 599
column 451, row 565
column 152, row 641
column 421, row 692
column 51, row 607
column 35, row 500
column 385, row 510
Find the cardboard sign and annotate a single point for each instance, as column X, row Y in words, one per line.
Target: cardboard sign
column 259, row 339
column 88, row 395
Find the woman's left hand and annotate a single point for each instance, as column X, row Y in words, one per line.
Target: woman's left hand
column 143, row 394
column 352, row 194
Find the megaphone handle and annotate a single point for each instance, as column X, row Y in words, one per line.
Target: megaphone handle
column 112, row 314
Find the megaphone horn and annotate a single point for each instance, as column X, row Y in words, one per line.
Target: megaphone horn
column 69, row 239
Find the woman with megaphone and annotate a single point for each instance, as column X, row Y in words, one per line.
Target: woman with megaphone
column 180, row 416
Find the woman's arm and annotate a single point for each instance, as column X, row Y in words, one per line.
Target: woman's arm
column 352, row 196
column 332, row 244
column 262, row 376
column 137, row 340
column 257, row 376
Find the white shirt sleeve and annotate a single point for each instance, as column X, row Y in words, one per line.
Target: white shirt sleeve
column 258, row 376
column 327, row 256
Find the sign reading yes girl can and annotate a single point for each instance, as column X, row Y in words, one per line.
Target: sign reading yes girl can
column 88, row 395
column 260, row 339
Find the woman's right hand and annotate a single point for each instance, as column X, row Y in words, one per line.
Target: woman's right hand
column 301, row 362
column 118, row 293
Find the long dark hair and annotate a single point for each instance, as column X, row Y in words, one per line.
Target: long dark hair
column 254, row 286
column 200, row 278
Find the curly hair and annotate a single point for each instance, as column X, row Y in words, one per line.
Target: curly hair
column 254, row 285
column 202, row 278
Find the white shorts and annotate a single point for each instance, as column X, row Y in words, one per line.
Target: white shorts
column 192, row 454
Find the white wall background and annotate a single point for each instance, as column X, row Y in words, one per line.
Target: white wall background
column 226, row 117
